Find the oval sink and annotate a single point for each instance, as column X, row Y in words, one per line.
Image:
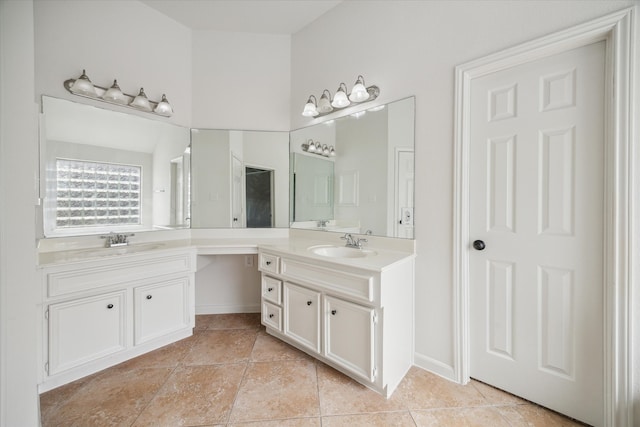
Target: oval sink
column 341, row 252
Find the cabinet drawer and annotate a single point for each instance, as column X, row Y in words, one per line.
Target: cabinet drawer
column 271, row 316
column 359, row 287
column 269, row 263
column 271, row 289
column 86, row 329
column 75, row 279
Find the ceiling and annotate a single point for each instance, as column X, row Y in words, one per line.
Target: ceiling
column 247, row 16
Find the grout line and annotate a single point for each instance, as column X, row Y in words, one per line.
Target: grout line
column 157, row 391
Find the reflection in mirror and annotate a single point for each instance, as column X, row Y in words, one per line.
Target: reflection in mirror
column 370, row 186
column 239, row 179
column 106, row 171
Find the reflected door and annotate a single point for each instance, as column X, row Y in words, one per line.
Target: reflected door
column 237, row 219
column 536, row 267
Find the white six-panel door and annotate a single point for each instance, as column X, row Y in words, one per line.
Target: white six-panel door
column 536, row 204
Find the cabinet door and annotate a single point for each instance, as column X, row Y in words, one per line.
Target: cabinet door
column 160, row 308
column 86, row 329
column 350, row 336
column 302, row 315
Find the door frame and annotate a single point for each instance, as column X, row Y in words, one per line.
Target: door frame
column 617, row 30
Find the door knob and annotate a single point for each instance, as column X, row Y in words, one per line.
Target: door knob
column 478, row 245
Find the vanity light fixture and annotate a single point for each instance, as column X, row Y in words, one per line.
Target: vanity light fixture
column 342, row 99
column 82, row 86
column 316, row 148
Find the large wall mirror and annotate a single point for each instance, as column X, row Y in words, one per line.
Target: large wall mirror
column 368, row 185
column 103, row 171
column 239, row 179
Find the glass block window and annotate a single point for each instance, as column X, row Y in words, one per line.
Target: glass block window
column 97, row 194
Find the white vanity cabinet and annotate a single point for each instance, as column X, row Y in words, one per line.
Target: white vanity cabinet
column 99, row 312
column 356, row 319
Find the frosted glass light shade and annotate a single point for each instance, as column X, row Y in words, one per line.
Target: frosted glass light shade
column 83, row 86
column 359, row 92
column 164, row 108
column 324, row 105
column 340, row 99
column 310, row 109
column 141, row 101
column 114, row 94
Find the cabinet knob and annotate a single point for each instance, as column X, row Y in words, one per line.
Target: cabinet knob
column 478, row 245
column 149, row 296
column 268, row 262
column 271, row 316
column 333, row 312
column 269, row 289
column 309, row 302
column 109, row 306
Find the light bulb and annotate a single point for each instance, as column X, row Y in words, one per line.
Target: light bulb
column 83, row 86
column 324, row 105
column 340, row 99
column 164, row 108
column 114, row 94
column 310, row 109
column 359, row 92
column 141, row 101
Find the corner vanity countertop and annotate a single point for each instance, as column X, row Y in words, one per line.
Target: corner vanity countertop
column 295, row 244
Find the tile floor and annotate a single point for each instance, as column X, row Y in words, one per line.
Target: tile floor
column 232, row 373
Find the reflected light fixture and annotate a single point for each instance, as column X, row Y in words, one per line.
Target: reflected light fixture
column 82, row 86
column 320, row 149
column 342, row 98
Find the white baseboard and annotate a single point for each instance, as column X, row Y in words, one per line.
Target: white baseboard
column 224, row 309
column 434, row 366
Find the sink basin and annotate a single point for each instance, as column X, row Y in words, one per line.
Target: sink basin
column 341, row 252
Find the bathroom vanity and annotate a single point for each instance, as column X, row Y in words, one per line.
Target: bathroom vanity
column 103, row 306
column 350, row 308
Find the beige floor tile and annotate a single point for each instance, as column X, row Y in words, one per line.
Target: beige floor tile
column 294, row 422
column 194, row 395
column 268, row 348
column 340, row 394
column 165, row 357
column 423, row 390
column 113, row 398
column 51, row 399
column 496, row 396
column 460, row 417
column 229, row 321
column 277, row 390
column 383, row 419
column 534, row 416
column 224, row 346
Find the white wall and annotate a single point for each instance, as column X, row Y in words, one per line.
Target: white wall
column 241, row 81
column 113, row 39
column 19, row 286
column 411, row 48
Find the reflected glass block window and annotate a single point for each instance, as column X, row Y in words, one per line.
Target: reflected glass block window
column 97, row 194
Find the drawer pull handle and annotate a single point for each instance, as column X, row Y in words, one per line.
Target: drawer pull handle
column 271, row 316
column 268, row 262
column 269, row 289
column 333, row 312
column 109, row 306
column 309, row 302
column 149, row 296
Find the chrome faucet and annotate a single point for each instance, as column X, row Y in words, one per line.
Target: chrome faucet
column 114, row 240
column 353, row 242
